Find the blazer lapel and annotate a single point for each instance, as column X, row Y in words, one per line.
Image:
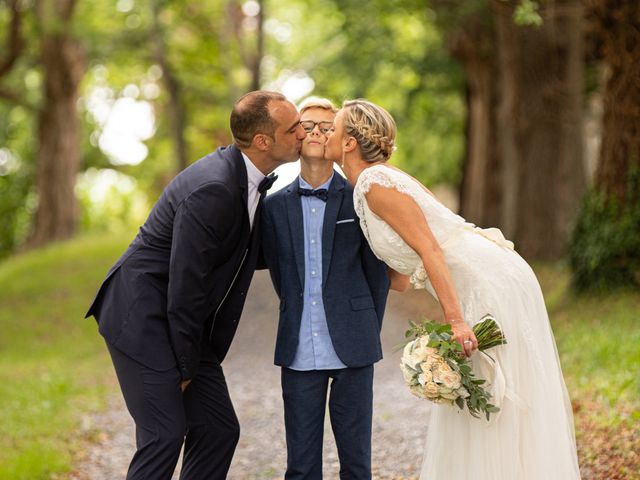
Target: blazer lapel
column 336, row 194
column 238, row 165
column 296, row 226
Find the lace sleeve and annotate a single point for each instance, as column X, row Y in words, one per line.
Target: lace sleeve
column 383, row 176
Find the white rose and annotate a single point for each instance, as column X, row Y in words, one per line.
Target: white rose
column 417, row 355
column 419, row 350
column 425, row 377
column 406, row 354
column 431, row 390
column 451, row 379
column 444, row 368
column 407, row 374
column 432, row 362
column 450, row 395
column 412, row 354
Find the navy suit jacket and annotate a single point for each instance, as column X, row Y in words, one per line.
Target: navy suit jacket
column 183, row 280
column 355, row 283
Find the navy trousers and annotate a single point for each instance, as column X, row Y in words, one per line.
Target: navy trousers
column 350, row 409
column 202, row 418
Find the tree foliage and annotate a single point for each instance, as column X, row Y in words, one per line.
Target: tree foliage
column 191, row 60
column 185, row 62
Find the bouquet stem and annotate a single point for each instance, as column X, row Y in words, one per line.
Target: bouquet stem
column 488, row 333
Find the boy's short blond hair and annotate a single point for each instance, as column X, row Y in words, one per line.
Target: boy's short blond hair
column 316, row 102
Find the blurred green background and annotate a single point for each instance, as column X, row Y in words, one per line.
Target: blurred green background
column 524, row 114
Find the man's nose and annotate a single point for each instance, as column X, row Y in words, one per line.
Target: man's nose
column 301, row 133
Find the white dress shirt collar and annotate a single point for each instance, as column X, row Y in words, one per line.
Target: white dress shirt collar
column 254, row 177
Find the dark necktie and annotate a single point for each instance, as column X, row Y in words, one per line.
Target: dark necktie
column 321, row 193
column 266, row 183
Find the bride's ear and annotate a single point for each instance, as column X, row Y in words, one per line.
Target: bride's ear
column 349, row 144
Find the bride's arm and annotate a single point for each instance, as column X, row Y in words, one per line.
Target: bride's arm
column 403, row 214
column 398, row 281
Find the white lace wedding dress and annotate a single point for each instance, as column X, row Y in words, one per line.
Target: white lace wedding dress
column 531, row 438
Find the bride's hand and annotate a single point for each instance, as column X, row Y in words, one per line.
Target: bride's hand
column 465, row 337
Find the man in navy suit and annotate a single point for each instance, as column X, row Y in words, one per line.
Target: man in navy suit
column 169, row 308
column 332, row 294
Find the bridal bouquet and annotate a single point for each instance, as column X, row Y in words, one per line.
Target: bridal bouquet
column 435, row 369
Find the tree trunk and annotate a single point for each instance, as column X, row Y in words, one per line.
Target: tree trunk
column 618, row 28
column 227, row 34
column 63, row 66
column 474, row 46
column 540, row 126
column 257, row 59
column 175, row 103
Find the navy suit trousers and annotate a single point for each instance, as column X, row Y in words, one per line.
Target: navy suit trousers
column 350, row 409
column 202, row 418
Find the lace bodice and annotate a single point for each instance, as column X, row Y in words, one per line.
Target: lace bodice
column 388, row 245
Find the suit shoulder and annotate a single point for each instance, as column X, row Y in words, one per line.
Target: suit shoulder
column 348, row 188
column 274, row 199
column 215, row 187
column 277, row 198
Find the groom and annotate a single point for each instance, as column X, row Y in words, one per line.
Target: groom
column 169, row 308
column 332, row 297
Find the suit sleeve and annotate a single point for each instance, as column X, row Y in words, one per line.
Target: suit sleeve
column 376, row 274
column 200, row 226
column 269, row 244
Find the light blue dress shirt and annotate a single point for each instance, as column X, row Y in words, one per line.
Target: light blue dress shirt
column 315, row 350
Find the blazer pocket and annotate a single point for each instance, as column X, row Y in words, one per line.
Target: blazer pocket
column 346, row 220
column 361, row 303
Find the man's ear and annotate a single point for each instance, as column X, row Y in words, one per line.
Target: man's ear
column 349, row 144
column 261, row 141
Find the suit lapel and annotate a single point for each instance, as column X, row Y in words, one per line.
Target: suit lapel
column 296, row 226
column 336, row 194
column 240, row 169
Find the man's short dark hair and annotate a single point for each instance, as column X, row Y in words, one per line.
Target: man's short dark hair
column 250, row 116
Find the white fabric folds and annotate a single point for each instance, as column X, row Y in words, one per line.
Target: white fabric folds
column 532, row 437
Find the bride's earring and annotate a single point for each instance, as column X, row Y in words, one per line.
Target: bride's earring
column 342, row 164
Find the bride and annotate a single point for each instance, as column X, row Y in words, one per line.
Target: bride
column 471, row 272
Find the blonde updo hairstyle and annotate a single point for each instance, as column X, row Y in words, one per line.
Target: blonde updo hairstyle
column 373, row 128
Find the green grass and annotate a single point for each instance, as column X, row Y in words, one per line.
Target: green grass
column 54, row 367
column 53, row 363
column 598, row 337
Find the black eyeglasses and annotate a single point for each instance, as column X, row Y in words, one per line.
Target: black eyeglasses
column 324, row 127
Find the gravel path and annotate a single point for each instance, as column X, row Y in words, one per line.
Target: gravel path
column 399, row 419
